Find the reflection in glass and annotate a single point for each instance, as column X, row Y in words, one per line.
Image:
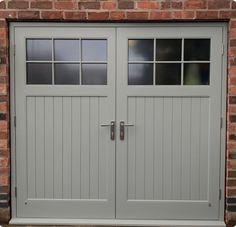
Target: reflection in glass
column 168, row 74
column 197, row 49
column 67, row 49
column 140, row 49
column 196, row 74
column 95, row 74
column 94, row 50
column 67, row 73
column 39, row 50
column 168, row 49
column 39, row 73
column 140, row 74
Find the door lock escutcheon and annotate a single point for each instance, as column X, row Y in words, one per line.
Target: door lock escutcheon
column 122, row 129
column 112, row 129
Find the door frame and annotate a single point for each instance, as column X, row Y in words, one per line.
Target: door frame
column 14, row 25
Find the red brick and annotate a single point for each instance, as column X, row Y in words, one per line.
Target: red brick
column 177, row 5
column 232, row 24
column 117, row 15
column 2, row 5
column 3, row 144
column 232, row 42
column 3, row 125
column 98, row 15
column 3, row 89
column 232, row 52
column 227, row 14
column 4, row 162
column 41, row 5
column 160, row 15
column 233, row 5
column 218, row 4
column 233, row 62
column 148, row 5
column 52, row 15
column 5, row 215
column 195, row 4
column 109, row 5
column 207, row 15
column 137, row 15
column 65, row 5
column 89, row 5
column 122, row 4
column 28, row 15
column 4, row 180
column 18, row 5
column 3, row 135
column 75, row 15
column 166, row 4
column 8, row 14
column 232, row 81
column 4, row 171
column 230, row 192
column 3, row 107
column 3, row 70
column 231, row 182
column 232, row 71
column 184, row 14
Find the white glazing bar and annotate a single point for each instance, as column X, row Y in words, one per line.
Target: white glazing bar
column 182, row 64
column 53, row 65
column 154, row 64
column 80, row 68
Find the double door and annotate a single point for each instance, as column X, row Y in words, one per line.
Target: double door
column 117, row 122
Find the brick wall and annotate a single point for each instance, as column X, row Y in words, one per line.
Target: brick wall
column 111, row 10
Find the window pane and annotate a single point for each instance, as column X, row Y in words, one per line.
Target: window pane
column 67, row 73
column 140, row 49
column 197, row 49
column 67, row 50
column 94, row 74
column 39, row 50
column 196, row 74
column 168, row 49
column 94, row 50
column 140, row 74
column 39, row 73
column 168, row 74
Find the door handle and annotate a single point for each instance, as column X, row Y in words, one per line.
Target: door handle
column 112, row 129
column 122, row 129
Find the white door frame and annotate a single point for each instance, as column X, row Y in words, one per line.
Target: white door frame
column 14, row 25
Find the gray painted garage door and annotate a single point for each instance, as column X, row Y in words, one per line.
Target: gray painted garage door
column 116, row 122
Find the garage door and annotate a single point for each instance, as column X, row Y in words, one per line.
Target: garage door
column 117, row 122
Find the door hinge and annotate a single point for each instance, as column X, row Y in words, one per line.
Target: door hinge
column 221, row 122
column 15, row 121
column 15, row 191
column 223, row 49
column 220, row 192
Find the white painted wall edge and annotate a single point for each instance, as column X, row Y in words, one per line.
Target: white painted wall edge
column 170, row 223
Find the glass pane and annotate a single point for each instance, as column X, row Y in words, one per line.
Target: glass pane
column 67, row 50
column 94, row 50
column 140, row 49
column 140, row 74
column 39, row 49
column 168, row 74
column 94, row 74
column 168, row 49
column 197, row 49
column 196, row 74
column 67, row 73
column 39, row 73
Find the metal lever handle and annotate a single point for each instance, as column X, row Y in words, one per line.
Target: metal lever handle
column 112, row 129
column 122, row 129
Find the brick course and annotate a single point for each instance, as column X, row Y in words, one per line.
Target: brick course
column 120, row 10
